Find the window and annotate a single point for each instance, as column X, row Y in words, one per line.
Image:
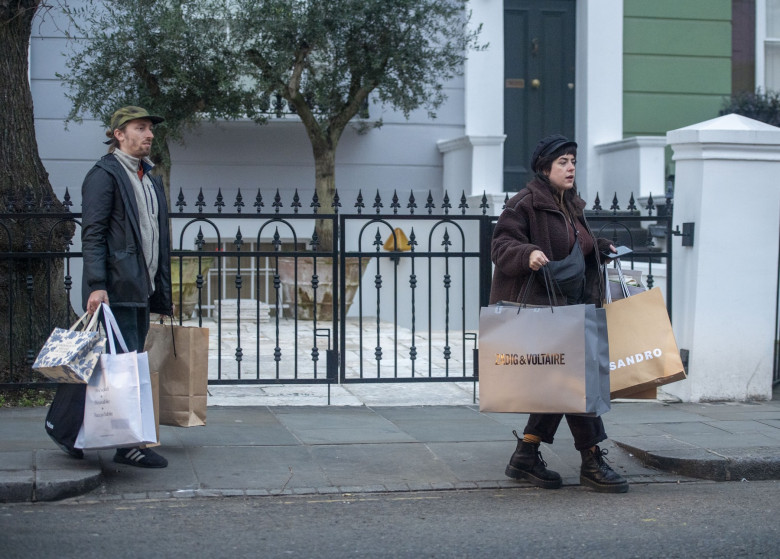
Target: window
column 256, row 274
column 772, row 46
column 768, row 44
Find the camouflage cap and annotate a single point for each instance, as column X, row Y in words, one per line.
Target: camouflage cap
column 126, row 114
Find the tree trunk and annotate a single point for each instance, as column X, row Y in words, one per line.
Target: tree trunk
column 33, row 294
column 325, row 187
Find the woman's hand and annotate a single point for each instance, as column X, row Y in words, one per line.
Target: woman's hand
column 537, row 260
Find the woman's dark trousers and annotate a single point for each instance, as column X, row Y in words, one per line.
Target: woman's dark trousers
column 587, row 431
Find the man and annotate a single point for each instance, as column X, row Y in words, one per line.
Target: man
column 125, row 241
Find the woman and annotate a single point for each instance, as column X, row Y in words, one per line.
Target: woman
column 542, row 225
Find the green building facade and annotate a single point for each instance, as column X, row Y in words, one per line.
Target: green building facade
column 677, row 63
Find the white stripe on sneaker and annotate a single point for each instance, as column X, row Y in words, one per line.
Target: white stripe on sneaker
column 135, row 455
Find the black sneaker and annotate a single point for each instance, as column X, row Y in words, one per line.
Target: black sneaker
column 141, row 457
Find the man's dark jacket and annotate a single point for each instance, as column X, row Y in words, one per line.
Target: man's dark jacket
column 111, row 240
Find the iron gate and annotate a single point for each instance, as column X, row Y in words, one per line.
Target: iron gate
column 281, row 309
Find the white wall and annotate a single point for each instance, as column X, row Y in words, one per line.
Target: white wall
column 476, row 157
column 473, row 157
column 395, row 292
column 636, row 167
column 461, row 150
column 402, row 155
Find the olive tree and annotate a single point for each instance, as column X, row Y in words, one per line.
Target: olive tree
column 169, row 57
column 328, row 58
column 226, row 58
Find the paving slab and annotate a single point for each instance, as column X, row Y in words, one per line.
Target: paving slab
column 339, row 425
column 419, row 441
column 242, row 426
column 358, row 465
column 463, row 423
column 261, row 467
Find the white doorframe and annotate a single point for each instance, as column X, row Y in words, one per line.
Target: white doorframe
column 598, row 93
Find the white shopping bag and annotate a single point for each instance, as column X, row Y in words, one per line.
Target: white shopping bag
column 147, row 400
column 119, row 409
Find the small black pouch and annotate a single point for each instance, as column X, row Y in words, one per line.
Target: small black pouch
column 569, row 274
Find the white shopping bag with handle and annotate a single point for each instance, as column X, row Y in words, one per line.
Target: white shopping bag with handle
column 119, row 409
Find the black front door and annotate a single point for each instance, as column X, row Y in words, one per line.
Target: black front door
column 539, row 39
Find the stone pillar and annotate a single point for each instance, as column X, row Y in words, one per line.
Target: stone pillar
column 599, row 87
column 474, row 162
column 725, row 286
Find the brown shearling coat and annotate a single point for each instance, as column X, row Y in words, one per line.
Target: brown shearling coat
column 532, row 220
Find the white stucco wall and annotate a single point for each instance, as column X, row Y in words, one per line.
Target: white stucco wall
column 476, row 158
column 467, row 137
column 461, row 150
column 484, row 105
column 402, row 155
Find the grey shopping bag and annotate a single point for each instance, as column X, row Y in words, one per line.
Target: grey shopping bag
column 543, row 360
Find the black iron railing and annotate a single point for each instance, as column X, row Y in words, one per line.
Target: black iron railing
column 396, row 299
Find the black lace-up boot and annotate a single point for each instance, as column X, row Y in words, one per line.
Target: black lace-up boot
column 596, row 473
column 526, row 463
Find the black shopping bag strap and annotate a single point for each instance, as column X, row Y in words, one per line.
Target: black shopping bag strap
column 549, row 286
column 173, row 338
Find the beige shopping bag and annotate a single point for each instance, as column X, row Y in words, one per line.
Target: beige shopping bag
column 543, row 360
column 180, row 355
column 643, row 353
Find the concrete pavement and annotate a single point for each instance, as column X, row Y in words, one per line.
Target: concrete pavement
column 271, row 440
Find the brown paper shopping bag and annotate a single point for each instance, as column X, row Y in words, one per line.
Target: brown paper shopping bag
column 183, row 372
column 643, row 353
column 643, row 394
